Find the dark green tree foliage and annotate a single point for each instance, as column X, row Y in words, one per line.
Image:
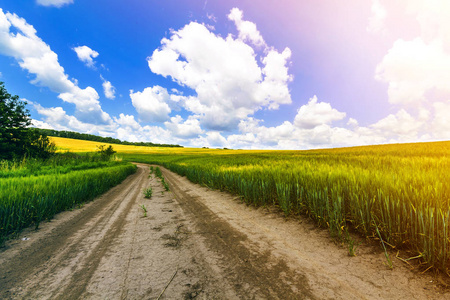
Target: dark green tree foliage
column 16, row 139
column 14, row 119
column 106, row 152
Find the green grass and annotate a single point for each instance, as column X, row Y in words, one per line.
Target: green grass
column 35, row 191
column 148, row 193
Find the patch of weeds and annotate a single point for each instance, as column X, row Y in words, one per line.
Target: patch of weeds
column 164, row 183
column 351, row 244
column 148, row 193
column 151, row 172
column 158, row 173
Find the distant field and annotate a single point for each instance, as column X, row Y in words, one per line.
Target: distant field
column 399, row 193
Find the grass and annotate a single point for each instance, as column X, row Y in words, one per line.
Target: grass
column 148, row 193
column 165, row 184
column 398, row 194
column 145, row 210
column 32, row 191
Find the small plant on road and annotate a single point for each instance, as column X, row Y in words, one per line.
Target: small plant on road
column 158, row 173
column 151, row 171
column 144, row 209
column 351, row 244
column 164, row 183
column 148, row 193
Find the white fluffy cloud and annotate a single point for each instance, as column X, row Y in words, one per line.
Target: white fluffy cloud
column 413, row 68
column 377, row 20
column 57, row 3
column 127, row 121
column 440, row 126
column 224, row 73
column 57, row 118
column 151, row 104
column 316, row 113
column 38, row 59
column 86, row 55
column 417, row 71
column 401, row 126
column 108, row 89
column 247, row 30
column 188, row 129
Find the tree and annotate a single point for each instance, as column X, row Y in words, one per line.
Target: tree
column 106, row 152
column 16, row 139
column 39, row 145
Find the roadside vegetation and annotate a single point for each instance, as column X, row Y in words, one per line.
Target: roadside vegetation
column 32, row 191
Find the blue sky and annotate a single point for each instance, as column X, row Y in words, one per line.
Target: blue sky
column 239, row 74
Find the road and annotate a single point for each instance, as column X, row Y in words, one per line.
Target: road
column 193, row 243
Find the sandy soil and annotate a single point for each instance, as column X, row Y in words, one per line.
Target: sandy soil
column 194, row 243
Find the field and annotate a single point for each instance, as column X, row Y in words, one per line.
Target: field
column 32, row 191
column 396, row 193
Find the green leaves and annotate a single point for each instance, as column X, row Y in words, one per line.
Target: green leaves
column 16, row 139
column 148, row 193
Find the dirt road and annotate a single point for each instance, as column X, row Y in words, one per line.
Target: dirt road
column 193, row 243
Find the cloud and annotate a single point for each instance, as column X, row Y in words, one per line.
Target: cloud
column 57, row 118
column 151, row 104
column 399, row 127
column 57, row 3
column 215, row 139
column 86, row 55
column 224, row 73
column 247, row 30
column 440, row 125
column 127, row 121
column 188, row 129
column 417, row 71
column 413, row 68
column 316, row 113
column 108, row 89
column 38, row 59
column 211, row 17
column 125, row 127
column 378, row 18
column 433, row 17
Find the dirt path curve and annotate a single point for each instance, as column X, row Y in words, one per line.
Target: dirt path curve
column 192, row 243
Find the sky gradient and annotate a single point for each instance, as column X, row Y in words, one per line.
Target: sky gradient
column 286, row 74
